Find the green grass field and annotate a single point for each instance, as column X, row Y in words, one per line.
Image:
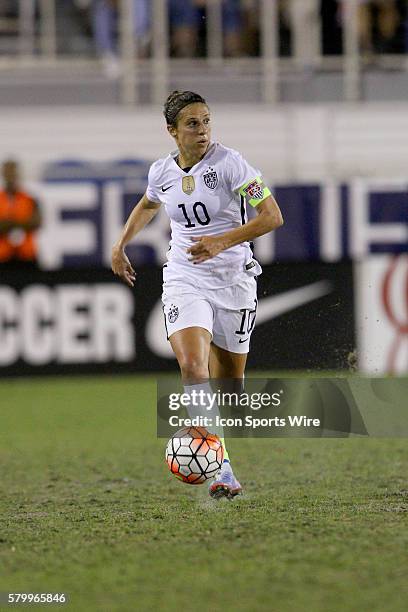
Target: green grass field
column 89, row 508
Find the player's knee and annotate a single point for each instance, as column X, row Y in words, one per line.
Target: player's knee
column 193, row 368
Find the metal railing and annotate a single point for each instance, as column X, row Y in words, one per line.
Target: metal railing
column 37, row 46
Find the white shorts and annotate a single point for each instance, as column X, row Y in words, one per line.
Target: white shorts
column 227, row 313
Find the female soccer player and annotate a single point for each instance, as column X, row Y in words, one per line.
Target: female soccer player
column 209, row 280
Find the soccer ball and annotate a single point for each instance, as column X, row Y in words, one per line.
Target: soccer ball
column 194, row 455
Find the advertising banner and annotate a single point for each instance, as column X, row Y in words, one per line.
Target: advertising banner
column 382, row 314
column 85, row 205
column 84, row 320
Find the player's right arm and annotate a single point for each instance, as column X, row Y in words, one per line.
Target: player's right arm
column 141, row 215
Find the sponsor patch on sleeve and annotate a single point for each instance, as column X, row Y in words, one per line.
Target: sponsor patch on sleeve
column 255, row 191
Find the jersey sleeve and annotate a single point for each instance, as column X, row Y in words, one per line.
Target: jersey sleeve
column 246, row 180
column 153, row 187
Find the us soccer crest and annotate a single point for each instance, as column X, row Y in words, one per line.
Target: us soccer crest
column 210, row 178
column 173, row 313
column 188, row 184
column 254, row 190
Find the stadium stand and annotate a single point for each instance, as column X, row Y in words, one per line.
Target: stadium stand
column 311, row 50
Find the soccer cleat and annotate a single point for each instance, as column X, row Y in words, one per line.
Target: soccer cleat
column 225, row 485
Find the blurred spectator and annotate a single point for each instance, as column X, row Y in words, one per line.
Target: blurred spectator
column 250, row 35
column 232, row 27
column 19, row 219
column 251, row 30
column 378, row 22
column 184, row 26
column 188, row 21
column 105, row 26
column 380, row 25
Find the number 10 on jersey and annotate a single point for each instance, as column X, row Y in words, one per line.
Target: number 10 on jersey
column 199, row 212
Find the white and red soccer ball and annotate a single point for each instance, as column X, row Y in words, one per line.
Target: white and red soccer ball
column 194, row 455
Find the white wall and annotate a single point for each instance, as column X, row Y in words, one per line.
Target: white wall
column 287, row 143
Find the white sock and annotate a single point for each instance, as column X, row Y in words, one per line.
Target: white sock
column 201, row 409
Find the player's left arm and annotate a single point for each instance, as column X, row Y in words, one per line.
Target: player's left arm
column 269, row 218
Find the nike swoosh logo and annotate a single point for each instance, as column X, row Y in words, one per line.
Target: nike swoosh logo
column 275, row 305
column 241, row 340
column 268, row 308
column 167, row 188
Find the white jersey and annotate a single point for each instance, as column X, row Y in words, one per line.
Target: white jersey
column 205, row 201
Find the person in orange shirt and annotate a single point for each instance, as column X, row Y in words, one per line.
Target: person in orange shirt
column 20, row 218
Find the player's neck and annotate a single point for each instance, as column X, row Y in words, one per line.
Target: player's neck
column 188, row 160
